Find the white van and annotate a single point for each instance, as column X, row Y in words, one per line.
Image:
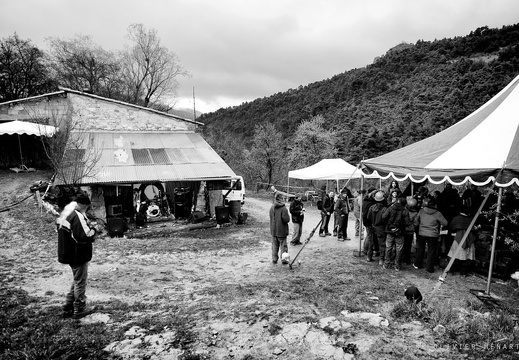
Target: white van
column 238, row 191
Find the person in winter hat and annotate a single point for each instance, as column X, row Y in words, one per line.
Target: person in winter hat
column 279, row 219
column 375, row 213
column 410, row 230
column 75, row 238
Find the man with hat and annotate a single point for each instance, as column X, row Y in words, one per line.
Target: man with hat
column 75, row 238
column 375, row 213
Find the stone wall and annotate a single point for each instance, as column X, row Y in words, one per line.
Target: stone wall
column 44, row 110
column 97, row 114
column 91, row 113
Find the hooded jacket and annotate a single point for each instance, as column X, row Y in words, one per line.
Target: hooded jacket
column 429, row 220
column 279, row 219
column 396, row 215
column 74, row 239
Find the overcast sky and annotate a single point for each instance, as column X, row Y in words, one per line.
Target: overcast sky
column 240, row 50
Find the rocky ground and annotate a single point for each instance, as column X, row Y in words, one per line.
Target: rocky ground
column 239, row 304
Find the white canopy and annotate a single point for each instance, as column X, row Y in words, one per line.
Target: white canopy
column 23, row 127
column 327, row 169
column 481, row 148
column 17, row 127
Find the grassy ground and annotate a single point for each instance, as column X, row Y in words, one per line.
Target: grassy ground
column 213, row 294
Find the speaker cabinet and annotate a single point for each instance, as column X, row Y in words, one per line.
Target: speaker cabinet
column 115, row 226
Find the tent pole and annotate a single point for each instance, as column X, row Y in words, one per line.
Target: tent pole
column 494, row 238
column 20, row 147
column 361, row 229
column 441, row 279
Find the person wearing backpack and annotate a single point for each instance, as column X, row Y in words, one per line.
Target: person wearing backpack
column 370, row 243
column 396, row 218
column 412, row 208
column 429, row 220
column 379, row 226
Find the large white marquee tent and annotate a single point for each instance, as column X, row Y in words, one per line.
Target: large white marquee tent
column 482, row 149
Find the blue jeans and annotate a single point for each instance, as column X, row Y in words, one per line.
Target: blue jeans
column 394, row 247
column 279, row 245
column 76, row 295
column 324, row 224
column 368, row 241
column 342, row 227
column 298, row 230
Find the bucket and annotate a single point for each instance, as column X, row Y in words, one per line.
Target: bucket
column 234, row 208
column 222, row 214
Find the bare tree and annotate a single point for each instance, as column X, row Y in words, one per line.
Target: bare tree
column 150, row 70
column 22, row 70
column 80, row 64
column 71, row 151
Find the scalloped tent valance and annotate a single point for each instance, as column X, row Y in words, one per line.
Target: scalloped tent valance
column 481, row 148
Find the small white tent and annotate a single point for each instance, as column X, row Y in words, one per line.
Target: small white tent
column 329, row 169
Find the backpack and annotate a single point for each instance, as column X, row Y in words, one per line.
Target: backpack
column 319, row 204
column 375, row 214
column 365, row 213
column 397, row 224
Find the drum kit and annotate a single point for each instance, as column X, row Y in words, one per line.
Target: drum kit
column 154, row 207
column 158, row 206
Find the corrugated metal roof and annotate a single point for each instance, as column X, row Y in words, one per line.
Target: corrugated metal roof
column 135, row 157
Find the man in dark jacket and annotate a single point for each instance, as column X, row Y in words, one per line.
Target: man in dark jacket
column 370, row 243
column 379, row 225
column 396, row 217
column 341, row 211
column 279, row 219
column 75, row 238
column 297, row 211
column 326, row 213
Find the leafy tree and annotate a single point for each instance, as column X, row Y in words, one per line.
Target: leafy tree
column 149, row 70
column 80, row 64
column 264, row 161
column 312, row 143
column 23, row 71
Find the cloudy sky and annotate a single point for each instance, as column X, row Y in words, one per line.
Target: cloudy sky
column 240, row 50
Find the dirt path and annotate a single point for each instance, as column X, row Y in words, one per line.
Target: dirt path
column 239, row 302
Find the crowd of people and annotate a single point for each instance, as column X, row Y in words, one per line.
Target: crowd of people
column 434, row 222
column 431, row 223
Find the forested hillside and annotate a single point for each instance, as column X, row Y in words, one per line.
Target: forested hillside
column 407, row 94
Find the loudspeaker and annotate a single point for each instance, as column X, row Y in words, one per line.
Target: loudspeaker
column 222, row 214
column 115, row 226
